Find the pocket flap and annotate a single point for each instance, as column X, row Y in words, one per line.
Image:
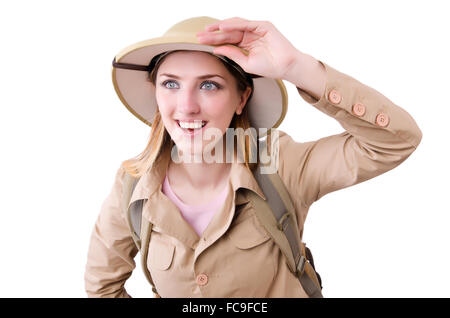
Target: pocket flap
column 248, row 234
column 160, row 254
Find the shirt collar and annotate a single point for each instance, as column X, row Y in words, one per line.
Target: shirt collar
column 151, row 181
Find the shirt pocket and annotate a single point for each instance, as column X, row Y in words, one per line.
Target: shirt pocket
column 247, row 234
column 249, row 269
column 160, row 254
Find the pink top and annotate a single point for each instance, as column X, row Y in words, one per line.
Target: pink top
column 198, row 216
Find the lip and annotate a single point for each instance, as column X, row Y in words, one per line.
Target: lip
column 195, row 132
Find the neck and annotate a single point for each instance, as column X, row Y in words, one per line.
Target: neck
column 200, row 174
column 206, row 176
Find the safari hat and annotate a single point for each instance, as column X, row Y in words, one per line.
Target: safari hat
column 266, row 108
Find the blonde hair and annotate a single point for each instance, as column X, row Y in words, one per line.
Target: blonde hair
column 160, row 138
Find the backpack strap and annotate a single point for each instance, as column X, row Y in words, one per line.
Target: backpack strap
column 129, row 183
column 278, row 217
column 140, row 227
column 146, row 231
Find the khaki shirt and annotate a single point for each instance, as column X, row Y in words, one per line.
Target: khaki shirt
column 235, row 257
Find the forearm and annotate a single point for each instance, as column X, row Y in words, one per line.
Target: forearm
column 308, row 74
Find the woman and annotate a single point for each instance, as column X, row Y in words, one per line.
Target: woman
column 207, row 76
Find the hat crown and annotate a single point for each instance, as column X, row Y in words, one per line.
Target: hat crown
column 189, row 27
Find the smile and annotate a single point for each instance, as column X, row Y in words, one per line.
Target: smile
column 192, row 128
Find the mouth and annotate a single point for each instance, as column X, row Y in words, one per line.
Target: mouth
column 192, row 131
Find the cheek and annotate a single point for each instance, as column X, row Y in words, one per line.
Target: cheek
column 220, row 115
column 219, row 106
column 165, row 104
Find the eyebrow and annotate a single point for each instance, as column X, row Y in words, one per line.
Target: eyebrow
column 199, row 77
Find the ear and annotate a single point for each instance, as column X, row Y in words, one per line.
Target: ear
column 243, row 100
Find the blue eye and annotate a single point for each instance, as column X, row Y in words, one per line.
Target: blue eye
column 169, row 82
column 211, row 85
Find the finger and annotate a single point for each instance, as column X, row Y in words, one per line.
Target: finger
column 215, row 26
column 219, row 38
column 212, row 27
column 232, row 53
column 237, row 24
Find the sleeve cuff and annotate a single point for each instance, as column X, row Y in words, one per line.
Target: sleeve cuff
column 354, row 105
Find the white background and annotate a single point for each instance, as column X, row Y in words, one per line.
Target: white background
column 64, row 133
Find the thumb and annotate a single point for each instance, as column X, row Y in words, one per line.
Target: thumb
column 234, row 54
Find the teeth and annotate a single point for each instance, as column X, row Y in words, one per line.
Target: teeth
column 195, row 125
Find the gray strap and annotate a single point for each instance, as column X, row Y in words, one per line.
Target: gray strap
column 146, row 233
column 279, row 210
column 310, row 287
column 134, row 211
column 286, row 222
column 136, row 216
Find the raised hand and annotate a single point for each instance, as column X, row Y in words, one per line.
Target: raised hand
column 266, row 52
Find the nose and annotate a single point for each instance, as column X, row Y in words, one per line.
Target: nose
column 188, row 101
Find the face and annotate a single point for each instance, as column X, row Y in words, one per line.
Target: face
column 195, row 87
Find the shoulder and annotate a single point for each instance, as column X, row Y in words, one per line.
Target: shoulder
column 291, row 152
column 293, row 165
column 121, row 181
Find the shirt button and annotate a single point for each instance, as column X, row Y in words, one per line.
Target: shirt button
column 359, row 109
column 334, row 97
column 382, row 120
column 202, row 280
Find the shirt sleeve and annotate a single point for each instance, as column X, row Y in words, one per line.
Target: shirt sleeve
column 111, row 253
column 379, row 135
